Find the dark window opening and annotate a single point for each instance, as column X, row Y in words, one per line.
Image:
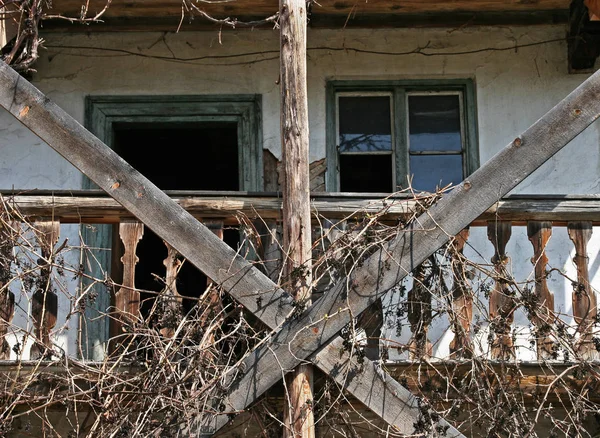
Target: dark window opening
column 178, row 156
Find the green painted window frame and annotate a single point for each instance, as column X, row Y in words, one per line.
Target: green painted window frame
column 101, row 115
column 398, row 90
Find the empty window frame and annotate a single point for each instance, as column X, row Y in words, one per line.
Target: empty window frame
column 384, row 135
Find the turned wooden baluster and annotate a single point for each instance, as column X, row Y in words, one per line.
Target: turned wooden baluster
column 502, row 304
column 7, row 298
column 419, row 315
column 462, row 300
column 542, row 308
column 585, row 306
column 214, row 302
column 170, row 297
column 127, row 299
column 44, row 305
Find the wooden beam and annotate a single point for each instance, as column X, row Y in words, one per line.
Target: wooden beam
column 90, row 207
column 379, row 274
column 170, row 221
column 299, row 420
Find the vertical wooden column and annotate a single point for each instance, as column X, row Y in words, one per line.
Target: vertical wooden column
column 419, row 315
column 585, row 306
column 44, row 306
column 462, row 300
column 170, row 296
column 299, row 418
column 7, row 298
column 127, row 299
column 539, row 234
column 501, row 302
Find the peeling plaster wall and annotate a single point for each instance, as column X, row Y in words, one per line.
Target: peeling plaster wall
column 514, row 85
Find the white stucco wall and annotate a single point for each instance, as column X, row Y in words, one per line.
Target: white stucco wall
column 514, row 88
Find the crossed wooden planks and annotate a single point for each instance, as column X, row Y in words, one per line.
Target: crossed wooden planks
column 308, row 336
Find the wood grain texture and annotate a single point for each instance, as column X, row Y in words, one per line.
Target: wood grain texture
column 170, row 296
column 585, row 304
column 462, row 299
column 502, row 303
column 542, row 312
column 44, row 303
column 96, row 209
column 127, row 298
column 298, row 416
column 157, row 211
column 257, row 8
column 382, row 271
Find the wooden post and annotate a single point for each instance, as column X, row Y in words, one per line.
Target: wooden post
column 539, row 233
column 127, row 299
column 502, row 305
column 585, row 305
column 462, row 300
column 7, row 298
column 44, row 307
column 298, row 416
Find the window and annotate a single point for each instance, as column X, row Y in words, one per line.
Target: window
column 383, row 135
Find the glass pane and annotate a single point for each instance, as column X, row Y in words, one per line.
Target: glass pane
column 366, row 173
column 434, row 123
column 430, row 171
column 365, row 123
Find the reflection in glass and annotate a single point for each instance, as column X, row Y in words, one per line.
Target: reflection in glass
column 434, row 123
column 364, row 124
column 431, row 171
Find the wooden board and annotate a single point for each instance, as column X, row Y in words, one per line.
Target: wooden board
column 256, row 8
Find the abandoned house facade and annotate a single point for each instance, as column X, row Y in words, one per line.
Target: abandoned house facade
column 400, row 99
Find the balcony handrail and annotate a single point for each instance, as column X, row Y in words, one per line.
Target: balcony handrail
column 94, row 206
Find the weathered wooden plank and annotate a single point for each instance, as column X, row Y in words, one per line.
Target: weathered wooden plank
column 99, row 209
column 44, row 304
column 382, row 271
column 543, row 306
column 585, row 304
column 502, row 303
column 156, row 210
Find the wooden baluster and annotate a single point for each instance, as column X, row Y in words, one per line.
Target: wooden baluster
column 127, row 299
column 44, row 305
column 7, row 298
column 214, row 302
column 419, row 314
column 170, row 297
column 542, row 311
column 585, row 306
column 502, row 304
column 462, row 300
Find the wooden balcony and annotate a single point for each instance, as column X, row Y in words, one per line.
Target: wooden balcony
column 334, row 211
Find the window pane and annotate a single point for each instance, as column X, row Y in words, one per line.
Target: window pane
column 365, row 123
column 430, row 171
column 434, row 123
column 366, row 173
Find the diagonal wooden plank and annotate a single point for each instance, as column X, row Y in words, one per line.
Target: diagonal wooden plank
column 299, row 338
column 178, row 228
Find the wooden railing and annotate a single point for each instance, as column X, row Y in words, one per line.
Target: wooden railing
column 540, row 214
